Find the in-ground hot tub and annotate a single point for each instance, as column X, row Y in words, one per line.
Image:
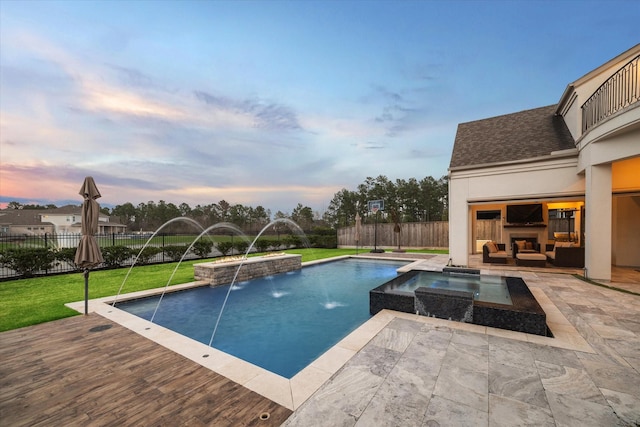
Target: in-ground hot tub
column 465, row 296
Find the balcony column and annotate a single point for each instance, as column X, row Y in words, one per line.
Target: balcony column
column 598, row 225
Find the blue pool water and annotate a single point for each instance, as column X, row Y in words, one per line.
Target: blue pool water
column 281, row 323
column 485, row 288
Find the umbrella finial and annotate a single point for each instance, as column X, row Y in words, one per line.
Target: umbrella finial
column 89, row 190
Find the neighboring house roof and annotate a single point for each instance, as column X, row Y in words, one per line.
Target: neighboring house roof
column 21, row 217
column 511, row 137
column 34, row 216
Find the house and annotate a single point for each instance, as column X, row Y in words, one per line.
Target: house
column 576, row 163
column 66, row 220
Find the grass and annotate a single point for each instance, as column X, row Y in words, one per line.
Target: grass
column 27, row 302
column 592, row 282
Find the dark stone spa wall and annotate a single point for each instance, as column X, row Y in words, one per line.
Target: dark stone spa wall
column 525, row 315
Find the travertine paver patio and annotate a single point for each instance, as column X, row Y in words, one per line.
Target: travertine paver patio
column 438, row 373
column 414, row 371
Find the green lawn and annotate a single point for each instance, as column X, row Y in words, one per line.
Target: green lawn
column 28, row 302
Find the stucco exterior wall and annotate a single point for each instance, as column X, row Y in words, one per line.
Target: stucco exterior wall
column 626, row 231
column 612, row 147
column 512, row 183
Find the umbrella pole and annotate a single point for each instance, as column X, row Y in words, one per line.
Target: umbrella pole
column 86, row 291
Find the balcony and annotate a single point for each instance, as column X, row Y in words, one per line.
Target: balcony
column 617, row 93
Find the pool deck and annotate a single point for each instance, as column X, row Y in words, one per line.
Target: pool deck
column 398, row 369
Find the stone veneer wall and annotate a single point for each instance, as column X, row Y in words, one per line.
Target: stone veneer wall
column 222, row 273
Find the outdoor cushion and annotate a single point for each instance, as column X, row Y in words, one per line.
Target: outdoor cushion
column 501, row 254
column 522, row 244
column 492, row 247
column 531, row 256
column 528, row 245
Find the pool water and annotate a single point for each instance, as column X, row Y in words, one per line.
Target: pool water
column 281, row 323
column 485, row 288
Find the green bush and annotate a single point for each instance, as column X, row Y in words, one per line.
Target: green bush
column 262, row 244
column 323, row 241
column 202, row 248
column 27, row 261
column 291, row 241
column 241, row 246
column 67, row 255
column 225, row 247
column 324, row 231
column 174, row 252
column 115, row 256
column 274, row 244
column 147, row 255
column 327, row 241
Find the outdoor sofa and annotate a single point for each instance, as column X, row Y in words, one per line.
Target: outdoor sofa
column 495, row 253
column 565, row 254
column 527, row 254
column 523, row 246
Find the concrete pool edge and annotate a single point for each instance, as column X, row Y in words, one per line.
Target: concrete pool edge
column 292, row 393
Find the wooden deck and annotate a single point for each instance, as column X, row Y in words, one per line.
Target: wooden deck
column 87, row 370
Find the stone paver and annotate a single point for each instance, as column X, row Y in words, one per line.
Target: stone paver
column 420, row 374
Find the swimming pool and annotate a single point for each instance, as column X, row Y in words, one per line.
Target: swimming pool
column 280, row 323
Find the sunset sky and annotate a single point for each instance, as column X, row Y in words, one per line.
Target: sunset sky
column 272, row 103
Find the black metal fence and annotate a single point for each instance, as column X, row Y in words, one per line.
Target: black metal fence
column 618, row 92
column 33, row 255
column 27, row 255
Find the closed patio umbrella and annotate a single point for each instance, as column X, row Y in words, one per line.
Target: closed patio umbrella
column 88, row 253
column 358, row 226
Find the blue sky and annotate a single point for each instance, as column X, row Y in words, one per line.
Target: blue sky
column 272, row 103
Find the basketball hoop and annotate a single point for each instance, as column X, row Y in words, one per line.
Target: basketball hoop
column 376, row 205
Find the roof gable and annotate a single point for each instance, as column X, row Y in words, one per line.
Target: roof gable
column 518, row 136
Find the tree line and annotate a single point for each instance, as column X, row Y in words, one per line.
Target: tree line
column 404, row 201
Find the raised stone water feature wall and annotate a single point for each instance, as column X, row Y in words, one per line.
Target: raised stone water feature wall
column 222, row 273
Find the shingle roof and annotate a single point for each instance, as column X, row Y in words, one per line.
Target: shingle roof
column 33, row 216
column 517, row 136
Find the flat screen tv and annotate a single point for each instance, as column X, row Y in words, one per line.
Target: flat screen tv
column 525, row 214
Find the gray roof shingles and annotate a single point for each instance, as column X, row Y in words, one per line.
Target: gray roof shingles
column 511, row 137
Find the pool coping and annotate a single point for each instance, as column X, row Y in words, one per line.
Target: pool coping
column 291, row 393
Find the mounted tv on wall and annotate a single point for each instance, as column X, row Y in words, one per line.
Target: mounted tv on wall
column 525, row 214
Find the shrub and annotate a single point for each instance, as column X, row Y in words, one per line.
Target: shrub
column 148, row 254
column 327, row 241
column 225, row 247
column 174, row 252
column 274, row 244
column 241, row 246
column 27, row 261
column 291, row 241
column 202, row 248
column 262, row 245
column 67, row 255
column 115, row 256
column 324, row 231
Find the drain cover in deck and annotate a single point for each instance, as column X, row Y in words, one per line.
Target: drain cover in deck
column 100, row 328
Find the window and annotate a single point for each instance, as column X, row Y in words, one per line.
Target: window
column 494, row 214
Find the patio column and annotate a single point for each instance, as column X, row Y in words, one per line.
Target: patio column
column 598, row 206
column 459, row 219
